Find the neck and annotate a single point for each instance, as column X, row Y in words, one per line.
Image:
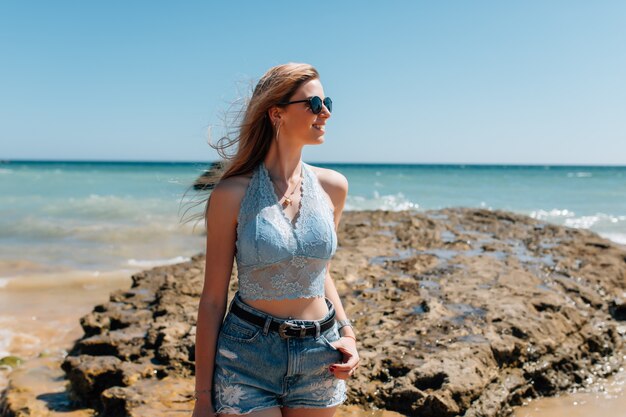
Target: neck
column 284, row 170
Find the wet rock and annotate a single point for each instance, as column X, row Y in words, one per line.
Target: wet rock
column 36, row 389
column 457, row 312
column 11, row 361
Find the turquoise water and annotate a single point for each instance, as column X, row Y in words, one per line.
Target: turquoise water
column 110, row 215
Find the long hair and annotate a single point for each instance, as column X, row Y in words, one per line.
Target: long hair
column 252, row 130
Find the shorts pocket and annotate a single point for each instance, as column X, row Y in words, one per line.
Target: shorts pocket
column 239, row 330
column 330, row 335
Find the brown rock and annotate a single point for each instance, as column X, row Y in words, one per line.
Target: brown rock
column 457, row 311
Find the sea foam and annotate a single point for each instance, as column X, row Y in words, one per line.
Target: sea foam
column 157, row 262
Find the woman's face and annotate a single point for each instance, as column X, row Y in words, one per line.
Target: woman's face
column 298, row 122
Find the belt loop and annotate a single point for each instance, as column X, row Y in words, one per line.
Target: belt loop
column 266, row 328
column 317, row 329
column 330, row 305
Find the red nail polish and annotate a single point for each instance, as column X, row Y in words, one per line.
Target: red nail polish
column 332, row 368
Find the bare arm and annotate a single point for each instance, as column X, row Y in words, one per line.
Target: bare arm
column 337, row 188
column 336, row 185
column 220, row 250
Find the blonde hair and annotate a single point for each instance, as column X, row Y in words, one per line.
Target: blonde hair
column 253, row 133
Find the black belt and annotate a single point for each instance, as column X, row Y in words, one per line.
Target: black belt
column 284, row 327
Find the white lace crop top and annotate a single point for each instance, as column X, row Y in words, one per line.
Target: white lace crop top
column 275, row 258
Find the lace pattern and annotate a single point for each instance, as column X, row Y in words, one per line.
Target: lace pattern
column 275, row 258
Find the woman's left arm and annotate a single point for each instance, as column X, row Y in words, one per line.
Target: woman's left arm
column 336, row 185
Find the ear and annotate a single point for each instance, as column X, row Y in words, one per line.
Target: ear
column 275, row 114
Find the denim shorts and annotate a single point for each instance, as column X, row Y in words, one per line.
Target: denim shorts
column 256, row 369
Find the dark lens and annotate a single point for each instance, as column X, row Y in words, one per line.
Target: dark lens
column 316, row 104
column 329, row 104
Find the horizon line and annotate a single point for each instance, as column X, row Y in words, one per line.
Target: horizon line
column 130, row 161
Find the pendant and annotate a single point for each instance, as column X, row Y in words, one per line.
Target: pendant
column 287, row 201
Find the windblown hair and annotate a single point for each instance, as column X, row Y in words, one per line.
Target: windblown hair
column 251, row 128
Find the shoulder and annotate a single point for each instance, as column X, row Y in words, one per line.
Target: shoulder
column 334, row 183
column 226, row 197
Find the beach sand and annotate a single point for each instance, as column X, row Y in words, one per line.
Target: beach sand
column 40, row 312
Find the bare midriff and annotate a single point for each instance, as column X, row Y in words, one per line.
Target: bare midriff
column 297, row 308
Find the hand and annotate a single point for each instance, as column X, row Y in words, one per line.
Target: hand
column 203, row 408
column 347, row 346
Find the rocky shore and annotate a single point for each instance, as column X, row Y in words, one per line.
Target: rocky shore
column 458, row 312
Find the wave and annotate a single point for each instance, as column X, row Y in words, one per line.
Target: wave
column 612, row 227
column 8, row 338
column 579, row 174
column 569, row 218
column 392, row 202
column 96, row 206
column 150, row 227
column 158, row 262
column 76, row 278
column 615, row 237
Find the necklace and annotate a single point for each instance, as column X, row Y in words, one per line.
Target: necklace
column 288, row 200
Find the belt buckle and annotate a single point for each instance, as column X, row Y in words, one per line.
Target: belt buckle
column 285, row 325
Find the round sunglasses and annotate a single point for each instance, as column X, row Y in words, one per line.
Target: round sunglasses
column 315, row 104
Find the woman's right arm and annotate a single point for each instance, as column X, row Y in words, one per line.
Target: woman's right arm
column 220, row 250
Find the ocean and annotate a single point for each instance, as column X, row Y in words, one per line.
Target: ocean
column 127, row 216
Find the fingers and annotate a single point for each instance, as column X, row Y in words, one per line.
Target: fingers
column 351, row 360
column 345, row 370
column 343, row 374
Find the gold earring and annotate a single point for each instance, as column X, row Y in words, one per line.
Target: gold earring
column 277, row 130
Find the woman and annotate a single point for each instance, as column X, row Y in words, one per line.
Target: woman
column 286, row 346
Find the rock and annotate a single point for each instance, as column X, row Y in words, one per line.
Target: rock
column 205, row 180
column 37, row 389
column 90, row 375
column 457, row 311
column 617, row 308
column 11, row 361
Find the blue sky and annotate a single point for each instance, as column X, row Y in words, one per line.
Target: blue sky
column 533, row 82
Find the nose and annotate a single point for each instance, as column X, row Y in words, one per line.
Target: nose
column 324, row 113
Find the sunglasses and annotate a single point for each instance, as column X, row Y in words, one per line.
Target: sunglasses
column 315, row 103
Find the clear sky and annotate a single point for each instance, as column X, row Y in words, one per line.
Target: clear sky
column 533, row 82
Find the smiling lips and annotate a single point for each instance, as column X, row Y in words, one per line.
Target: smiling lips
column 319, row 127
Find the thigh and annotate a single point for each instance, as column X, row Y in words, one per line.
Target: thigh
column 268, row 412
column 309, row 412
